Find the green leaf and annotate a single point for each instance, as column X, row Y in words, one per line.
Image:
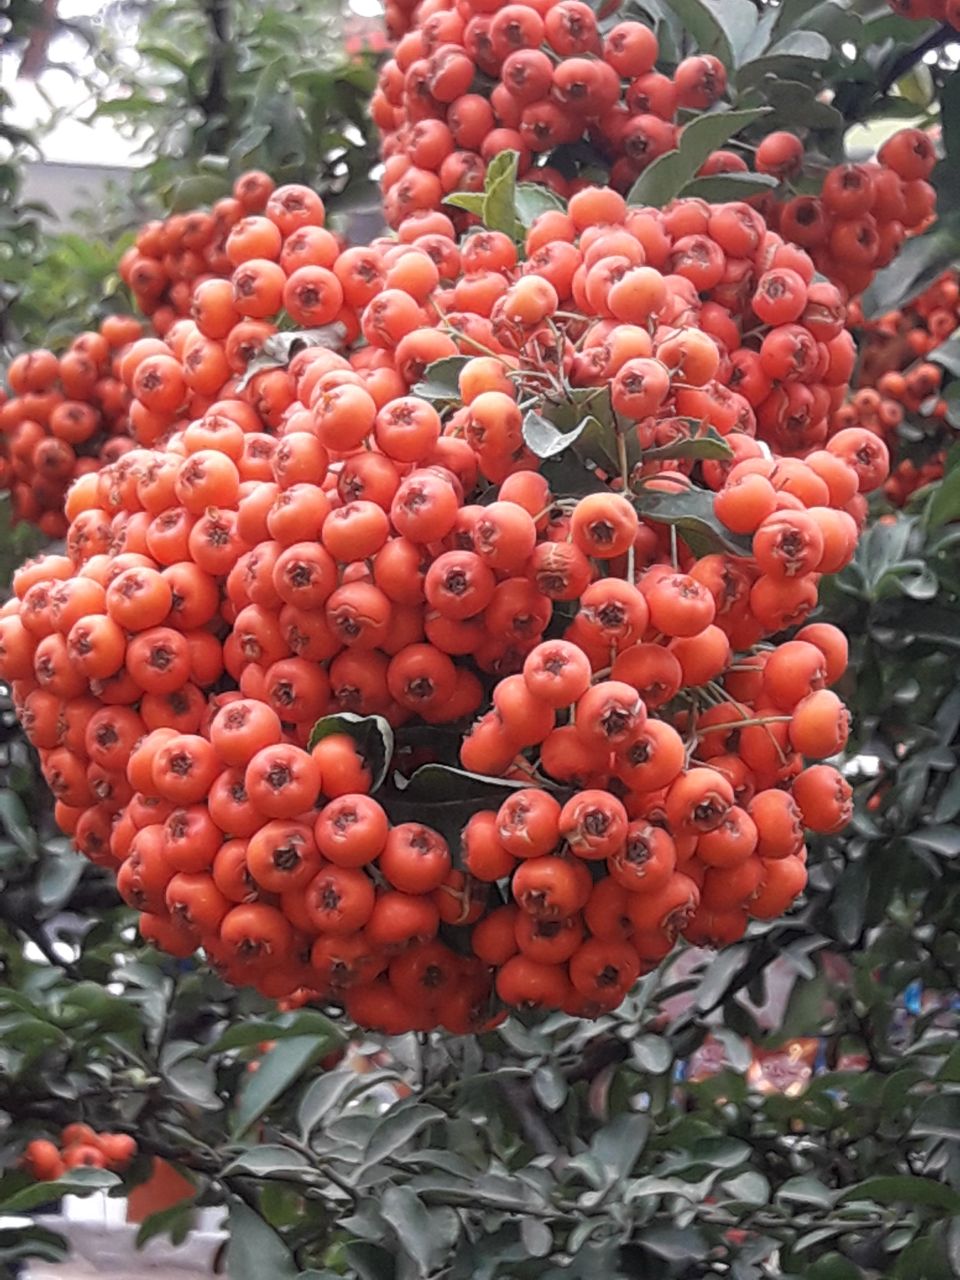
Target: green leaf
column 495, row 206
column 618, row 1145
column 917, row 265
column 175, row 1222
column 305, row 1022
column 675, row 1244
column 59, row 875
column 944, row 505
column 693, row 515
column 550, row 1087
column 719, row 187
column 500, row 187
column 255, row 1251
column 321, row 1097
column 268, row 1159
column 652, row 1053
column 943, row 839
column 194, row 1080
column 442, row 384
column 710, row 445
column 444, row 798
column 543, row 438
column 472, row 201
column 806, row 1190
column 661, row 181
column 372, row 734
column 904, row 1189
column 16, row 822
column 723, row 27
column 398, row 1127
column 280, row 348
column 79, row 1182
column 748, row 1187
column 536, row 1236
column 405, row 1212
column 278, row 1069
column 534, row 198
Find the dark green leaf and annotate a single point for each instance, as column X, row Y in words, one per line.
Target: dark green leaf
column 279, row 1068
column 305, row 1022
column 534, row 198
column 323, row 1094
column 16, row 822
column 59, row 875
column 550, row 1087
column 268, row 1159
column 398, row 1127
column 669, row 174
column 723, row 27
column 719, row 187
column 692, row 513
column 944, row 505
column 675, row 1244
column 618, row 1145
column 404, row 1211
column 543, row 438
column 255, row 1251
column 442, row 385
column 175, row 1222
column 943, row 839
column 708, row 445
column 78, row 1182
column 372, row 734
column 904, row 1189
column 806, row 1190
column 917, row 265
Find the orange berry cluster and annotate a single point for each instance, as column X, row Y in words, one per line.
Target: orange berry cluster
column 863, row 212
column 557, row 80
column 899, row 382
column 346, row 533
column 64, row 416
column 80, row 1148
column 171, row 256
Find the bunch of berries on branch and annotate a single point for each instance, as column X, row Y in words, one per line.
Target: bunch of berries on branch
column 64, row 417
column 80, row 1147
column 901, row 385
column 411, row 523
column 467, row 82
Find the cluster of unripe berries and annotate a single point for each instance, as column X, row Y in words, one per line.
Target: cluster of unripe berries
column 64, row 416
column 312, row 542
column 80, row 1147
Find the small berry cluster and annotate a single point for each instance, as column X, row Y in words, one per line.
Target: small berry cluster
column 899, row 383
column 171, row 256
column 332, row 535
column 80, row 1147
column 64, row 417
column 863, row 212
